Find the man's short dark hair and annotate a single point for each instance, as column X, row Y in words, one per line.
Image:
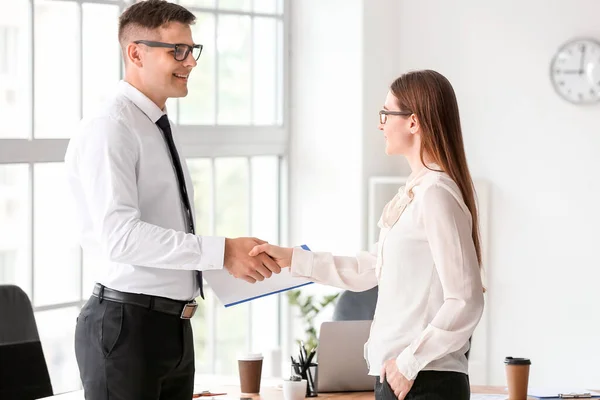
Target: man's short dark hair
column 150, row 15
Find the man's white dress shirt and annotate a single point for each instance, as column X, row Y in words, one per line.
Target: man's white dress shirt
column 430, row 290
column 128, row 205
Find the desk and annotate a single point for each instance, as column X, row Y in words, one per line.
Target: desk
column 274, row 393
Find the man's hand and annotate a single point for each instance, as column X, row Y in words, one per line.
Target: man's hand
column 241, row 265
column 399, row 384
column 281, row 255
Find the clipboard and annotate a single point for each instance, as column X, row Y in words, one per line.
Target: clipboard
column 232, row 291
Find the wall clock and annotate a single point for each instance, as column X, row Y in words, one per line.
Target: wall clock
column 575, row 71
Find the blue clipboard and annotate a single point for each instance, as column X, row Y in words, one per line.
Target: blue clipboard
column 304, row 247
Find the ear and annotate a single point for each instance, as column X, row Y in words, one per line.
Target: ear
column 414, row 124
column 135, row 55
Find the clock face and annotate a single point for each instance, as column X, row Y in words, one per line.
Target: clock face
column 575, row 71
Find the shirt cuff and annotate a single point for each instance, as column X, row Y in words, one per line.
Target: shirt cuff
column 408, row 364
column 302, row 262
column 212, row 254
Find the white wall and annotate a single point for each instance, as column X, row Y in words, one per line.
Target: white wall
column 326, row 116
column 342, row 62
column 325, row 158
column 325, row 137
column 381, row 65
column 540, row 156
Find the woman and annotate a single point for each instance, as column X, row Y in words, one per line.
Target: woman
column 428, row 259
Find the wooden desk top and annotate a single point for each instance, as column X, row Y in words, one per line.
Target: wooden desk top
column 274, row 393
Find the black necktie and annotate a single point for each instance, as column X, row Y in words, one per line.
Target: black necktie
column 163, row 124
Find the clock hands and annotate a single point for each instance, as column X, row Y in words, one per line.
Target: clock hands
column 581, row 69
column 582, row 59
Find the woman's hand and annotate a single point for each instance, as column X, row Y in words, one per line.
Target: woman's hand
column 281, row 255
column 399, row 384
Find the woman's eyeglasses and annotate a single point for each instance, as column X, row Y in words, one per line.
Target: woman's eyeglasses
column 181, row 51
column 383, row 114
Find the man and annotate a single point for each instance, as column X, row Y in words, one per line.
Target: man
column 134, row 202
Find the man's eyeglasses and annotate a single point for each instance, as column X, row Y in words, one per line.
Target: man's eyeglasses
column 181, row 51
column 384, row 113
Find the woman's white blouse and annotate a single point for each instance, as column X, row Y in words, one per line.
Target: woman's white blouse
column 430, row 289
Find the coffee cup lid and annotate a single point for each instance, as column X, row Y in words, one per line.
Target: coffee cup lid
column 250, row 357
column 517, row 361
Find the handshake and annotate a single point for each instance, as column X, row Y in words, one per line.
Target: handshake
column 252, row 259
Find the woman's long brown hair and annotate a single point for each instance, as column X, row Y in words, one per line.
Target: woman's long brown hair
column 430, row 96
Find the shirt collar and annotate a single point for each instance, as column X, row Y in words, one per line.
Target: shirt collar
column 138, row 98
column 417, row 176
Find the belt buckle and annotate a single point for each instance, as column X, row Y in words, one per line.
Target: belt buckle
column 189, row 310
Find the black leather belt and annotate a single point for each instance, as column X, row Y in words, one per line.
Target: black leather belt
column 183, row 309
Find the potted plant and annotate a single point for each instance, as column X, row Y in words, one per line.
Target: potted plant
column 309, row 307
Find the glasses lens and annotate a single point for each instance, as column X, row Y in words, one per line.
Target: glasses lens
column 382, row 118
column 181, row 53
column 196, row 52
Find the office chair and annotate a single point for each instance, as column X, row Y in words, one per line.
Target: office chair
column 356, row 306
column 23, row 370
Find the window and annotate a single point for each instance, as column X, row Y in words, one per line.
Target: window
column 14, row 226
column 235, row 196
column 7, row 41
column 7, row 262
column 233, row 135
column 15, row 72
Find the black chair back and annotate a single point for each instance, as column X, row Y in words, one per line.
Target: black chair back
column 23, row 370
column 356, row 306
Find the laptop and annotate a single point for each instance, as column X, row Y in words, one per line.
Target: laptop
column 341, row 363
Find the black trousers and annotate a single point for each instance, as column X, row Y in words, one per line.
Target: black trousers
column 127, row 352
column 430, row 385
